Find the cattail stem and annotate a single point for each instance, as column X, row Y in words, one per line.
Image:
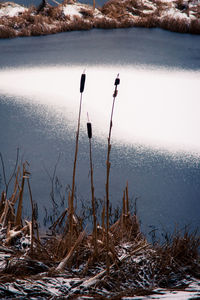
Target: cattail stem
column 93, row 201
column 108, row 164
column 76, row 151
column 82, row 85
column 89, row 132
column 33, row 216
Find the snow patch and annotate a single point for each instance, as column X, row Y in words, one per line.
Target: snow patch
column 72, row 10
column 11, row 10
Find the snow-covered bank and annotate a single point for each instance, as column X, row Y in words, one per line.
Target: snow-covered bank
column 178, row 15
column 138, row 270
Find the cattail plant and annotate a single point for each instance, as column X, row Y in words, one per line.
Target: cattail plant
column 89, row 131
column 108, row 164
column 71, row 196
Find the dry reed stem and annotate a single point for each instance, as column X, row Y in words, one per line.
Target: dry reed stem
column 33, row 218
column 127, row 199
column 93, row 201
column 103, row 216
column 18, row 220
column 70, row 216
column 108, row 164
column 71, row 197
column 67, row 259
column 14, row 197
column 60, row 220
column 76, row 152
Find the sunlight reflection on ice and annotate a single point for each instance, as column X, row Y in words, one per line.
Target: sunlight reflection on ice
column 157, row 108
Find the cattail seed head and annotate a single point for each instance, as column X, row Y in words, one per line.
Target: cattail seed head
column 82, row 84
column 89, row 130
column 117, row 80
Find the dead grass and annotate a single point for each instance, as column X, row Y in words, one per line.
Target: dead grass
column 177, row 257
column 195, row 26
column 7, row 32
column 56, row 13
column 147, row 22
column 175, row 25
column 87, row 13
column 114, row 9
column 105, row 23
column 80, row 24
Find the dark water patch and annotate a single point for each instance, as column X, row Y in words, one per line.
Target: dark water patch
column 133, row 46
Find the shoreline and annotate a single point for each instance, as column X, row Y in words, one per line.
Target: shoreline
column 177, row 16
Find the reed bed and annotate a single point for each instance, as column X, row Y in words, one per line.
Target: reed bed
column 113, row 260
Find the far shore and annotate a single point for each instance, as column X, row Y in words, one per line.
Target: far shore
column 177, row 16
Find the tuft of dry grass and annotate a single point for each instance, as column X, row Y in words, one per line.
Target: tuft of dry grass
column 175, row 25
column 80, row 24
column 147, row 22
column 56, row 13
column 178, row 255
column 195, row 26
column 105, row 23
column 7, row 32
column 87, row 13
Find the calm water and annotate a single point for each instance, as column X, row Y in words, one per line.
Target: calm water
column 155, row 137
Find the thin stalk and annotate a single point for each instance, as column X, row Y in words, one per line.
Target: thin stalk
column 19, row 209
column 103, row 216
column 70, row 220
column 82, row 85
column 127, row 199
column 123, row 215
column 76, row 151
column 108, row 164
column 33, row 217
column 93, row 201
